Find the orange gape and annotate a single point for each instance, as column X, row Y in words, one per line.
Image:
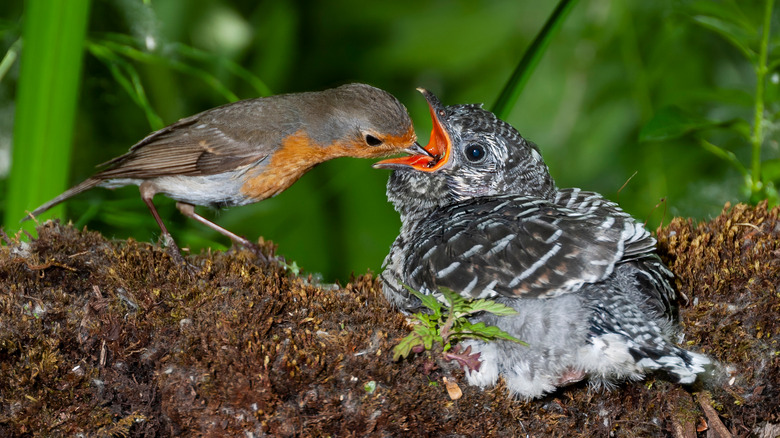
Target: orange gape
column 254, row 149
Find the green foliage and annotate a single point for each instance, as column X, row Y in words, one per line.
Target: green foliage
column 514, row 87
column 370, row 386
column 584, row 90
column 445, row 325
column 53, row 35
column 292, row 267
column 751, row 37
column 117, row 51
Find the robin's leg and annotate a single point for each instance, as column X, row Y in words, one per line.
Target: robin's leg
column 189, row 211
column 147, row 193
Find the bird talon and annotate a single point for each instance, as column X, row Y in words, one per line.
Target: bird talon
column 172, row 249
column 257, row 251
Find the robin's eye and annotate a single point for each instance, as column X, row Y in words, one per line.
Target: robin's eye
column 475, row 153
column 372, row 141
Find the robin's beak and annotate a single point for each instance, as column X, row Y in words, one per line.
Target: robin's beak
column 416, row 149
column 436, row 153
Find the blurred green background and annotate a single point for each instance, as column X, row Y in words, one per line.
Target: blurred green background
column 611, row 68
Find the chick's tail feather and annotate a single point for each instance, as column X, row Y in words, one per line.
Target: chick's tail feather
column 73, row 191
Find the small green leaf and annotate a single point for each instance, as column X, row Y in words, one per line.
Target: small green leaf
column 423, row 331
column 492, row 307
column 732, row 33
column 428, row 340
column 729, row 21
column 438, row 328
column 406, row 345
column 458, row 304
column 728, row 11
column 292, row 267
column 428, row 301
column 487, row 332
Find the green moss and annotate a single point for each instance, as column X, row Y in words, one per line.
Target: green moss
column 99, row 336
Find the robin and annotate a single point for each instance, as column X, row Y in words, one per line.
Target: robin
column 482, row 216
column 254, row 149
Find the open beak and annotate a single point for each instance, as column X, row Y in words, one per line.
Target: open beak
column 436, row 153
column 416, row 149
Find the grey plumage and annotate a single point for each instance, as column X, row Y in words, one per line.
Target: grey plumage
column 593, row 298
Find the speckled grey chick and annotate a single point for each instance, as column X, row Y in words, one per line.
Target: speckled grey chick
column 484, row 218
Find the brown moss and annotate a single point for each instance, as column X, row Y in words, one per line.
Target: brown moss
column 111, row 337
column 730, row 270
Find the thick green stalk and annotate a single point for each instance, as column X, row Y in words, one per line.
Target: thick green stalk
column 49, row 75
column 511, row 92
column 758, row 136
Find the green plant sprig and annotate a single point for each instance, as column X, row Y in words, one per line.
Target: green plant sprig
column 753, row 41
column 447, row 325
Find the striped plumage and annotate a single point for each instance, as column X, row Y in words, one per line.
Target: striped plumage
column 593, row 298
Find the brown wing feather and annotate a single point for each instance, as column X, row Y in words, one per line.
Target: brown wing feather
column 214, row 141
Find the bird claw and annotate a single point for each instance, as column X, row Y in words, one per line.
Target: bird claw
column 175, row 254
column 256, row 250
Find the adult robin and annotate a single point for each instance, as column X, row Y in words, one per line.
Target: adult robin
column 482, row 216
column 254, row 149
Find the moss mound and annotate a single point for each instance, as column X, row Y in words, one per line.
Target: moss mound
column 111, row 338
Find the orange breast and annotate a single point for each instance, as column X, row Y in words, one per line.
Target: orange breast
column 296, row 156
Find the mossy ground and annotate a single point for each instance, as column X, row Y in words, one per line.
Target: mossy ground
column 111, row 338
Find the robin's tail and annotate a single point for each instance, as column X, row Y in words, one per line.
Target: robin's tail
column 73, row 191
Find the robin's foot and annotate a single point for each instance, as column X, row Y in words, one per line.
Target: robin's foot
column 175, row 253
column 255, row 249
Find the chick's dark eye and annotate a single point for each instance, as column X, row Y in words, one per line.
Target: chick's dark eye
column 372, row 141
column 475, row 153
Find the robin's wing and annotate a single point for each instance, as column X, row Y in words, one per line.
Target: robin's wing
column 208, row 143
column 518, row 247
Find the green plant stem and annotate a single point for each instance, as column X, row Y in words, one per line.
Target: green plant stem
column 9, row 58
column 761, row 71
column 514, row 87
column 728, row 156
column 49, row 76
column 444, row 332
column 152, row 58
column 126, row 75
